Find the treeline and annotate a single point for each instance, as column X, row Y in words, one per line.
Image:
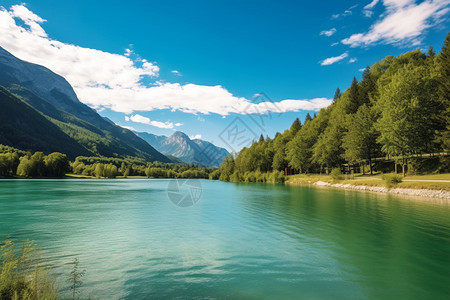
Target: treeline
column 32, row 165
column 400, row 108
column 18, row 163
column 101, row 167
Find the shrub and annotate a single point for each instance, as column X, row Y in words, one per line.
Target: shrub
column 391, row 179
column 214, row 175
column 22, row 276
column 336, row 174
column 276, row 177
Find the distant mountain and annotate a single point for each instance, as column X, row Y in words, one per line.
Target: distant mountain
column 55, row 99
column 181, row 146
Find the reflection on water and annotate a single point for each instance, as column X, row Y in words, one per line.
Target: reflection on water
column 239, row 241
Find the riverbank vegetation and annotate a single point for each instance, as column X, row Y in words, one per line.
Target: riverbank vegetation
column 17, row 163
column 397, row 115
column 390, row 180
column 23, row 275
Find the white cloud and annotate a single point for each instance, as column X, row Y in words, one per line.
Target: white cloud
column 352, row 60
column 176, row 72
column 346, row 13
column 332, row 60
column 195, row 137
column 29, row 18
column 362, row 70
column 113, row 81
column 128, row 127
column 200, row 119
column 144, row 120
column 328, row 32
column 404, row 22
column 367, row 10
column 334, row 44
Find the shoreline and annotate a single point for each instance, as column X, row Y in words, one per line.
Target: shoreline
column 424, row 193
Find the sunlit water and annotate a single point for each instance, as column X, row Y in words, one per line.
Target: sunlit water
column 239, row 241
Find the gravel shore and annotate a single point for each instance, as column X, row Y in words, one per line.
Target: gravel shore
column 440, row 194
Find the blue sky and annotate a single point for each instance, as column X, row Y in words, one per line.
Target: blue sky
column 195, row 66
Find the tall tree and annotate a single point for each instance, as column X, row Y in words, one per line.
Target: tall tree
column 56, row 164
column 443, row 70
column 431, row 52
column 409, row 105
column 337, row 94
column 359, row 141
column 295, row 127
column 308, row 118
column 353, row 97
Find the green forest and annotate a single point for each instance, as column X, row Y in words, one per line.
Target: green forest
column 400, row 110
column 25, row 164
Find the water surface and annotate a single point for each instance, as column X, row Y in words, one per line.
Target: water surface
column 239, row 241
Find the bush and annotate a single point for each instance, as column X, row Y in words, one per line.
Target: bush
column 392, row 179
column 336, row 174
column 22, row 276
column 214, row 175
column 276, row 177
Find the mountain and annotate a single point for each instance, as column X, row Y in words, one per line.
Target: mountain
column 55, row 99
column 24, row 127
column 190, row 151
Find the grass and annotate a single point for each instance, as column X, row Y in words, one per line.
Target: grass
column 376, row 180
column 444, row 176
column 22, row 275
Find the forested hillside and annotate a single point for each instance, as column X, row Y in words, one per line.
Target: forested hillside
column 53, row 99
column 400, row 108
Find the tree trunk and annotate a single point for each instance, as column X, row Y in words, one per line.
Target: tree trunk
column 403, row 167
column 370, row 165
column 395, row 167
column 363, row 169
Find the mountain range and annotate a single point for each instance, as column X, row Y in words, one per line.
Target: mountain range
column 40, row 111
column 188, row 150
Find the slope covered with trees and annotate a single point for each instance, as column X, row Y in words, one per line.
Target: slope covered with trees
column 399, row 109
column 52, row 96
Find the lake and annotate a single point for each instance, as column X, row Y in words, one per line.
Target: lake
column 140, row 239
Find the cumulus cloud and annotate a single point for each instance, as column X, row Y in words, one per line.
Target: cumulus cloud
column 176, row 72
column 137, row 118
column 352, row 60
column 404, row 22
column 114, row 81
column 332, row 60
column 195, row 137
column 328, row 32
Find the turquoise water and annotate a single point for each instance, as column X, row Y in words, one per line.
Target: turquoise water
column 238, row 241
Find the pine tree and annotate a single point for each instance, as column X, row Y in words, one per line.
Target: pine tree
column 308, row 118
column 295, row 127
column 353, row 97
column 337, row 94
column 431, row 52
